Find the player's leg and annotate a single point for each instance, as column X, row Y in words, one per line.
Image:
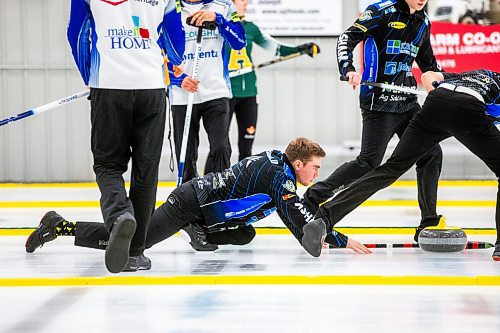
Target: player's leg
column 111, row 135
column 378, row 128
column 180, row 209
column 246, row 116
column 178, row 118
column 239, row 236
column 147, row 142
column 215, row 116
column 471, row 127
column 428, row 172
column 419, row 137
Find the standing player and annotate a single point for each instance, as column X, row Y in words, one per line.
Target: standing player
column 117, row 46
column 213, row 91
column 395, row 32
column 244, row 87
column 225, row 203
column 465, row 106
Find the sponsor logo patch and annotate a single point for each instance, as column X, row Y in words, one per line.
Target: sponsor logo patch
column 390, row 10
column 390, row 68
column 289, row 185
column 288, row 196
column 360, row 27
column 397, row 25
column 129, row 38
column 367, row 15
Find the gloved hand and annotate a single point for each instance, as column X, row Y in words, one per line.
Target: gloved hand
column 312, row 49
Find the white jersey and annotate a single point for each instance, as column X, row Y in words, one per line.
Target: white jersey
column 212, row 69
column 117, row 44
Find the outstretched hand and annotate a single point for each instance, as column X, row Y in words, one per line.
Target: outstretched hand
column 357, row 246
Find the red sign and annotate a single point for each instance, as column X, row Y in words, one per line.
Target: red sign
column 465, row 47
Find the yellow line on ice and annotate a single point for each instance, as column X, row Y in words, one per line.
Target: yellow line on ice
column 284, row 231
column 252, row 280
column 369, row 203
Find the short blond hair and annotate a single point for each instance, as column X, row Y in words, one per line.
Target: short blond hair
column 303, row 149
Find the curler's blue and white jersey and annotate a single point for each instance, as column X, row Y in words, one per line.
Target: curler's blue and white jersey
column 212, row 70
column 117, row 44
column 250, row 190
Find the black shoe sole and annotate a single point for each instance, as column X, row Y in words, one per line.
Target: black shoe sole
column 117, row 251
column 28, row 245
column 314, row 234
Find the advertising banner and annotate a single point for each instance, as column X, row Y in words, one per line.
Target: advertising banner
column 297, row 17
column 464, row 47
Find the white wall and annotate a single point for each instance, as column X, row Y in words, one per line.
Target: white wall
column 301, row 97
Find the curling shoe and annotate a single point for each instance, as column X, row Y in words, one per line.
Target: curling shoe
column 314, row 235
column 138, row 263
column 45, row 232
column 197, row 238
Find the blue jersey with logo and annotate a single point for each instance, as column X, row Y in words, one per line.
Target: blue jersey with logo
column 393, row 39
column 118, row 44
column 250, row 190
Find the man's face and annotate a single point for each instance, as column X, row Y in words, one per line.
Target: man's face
column 307, row 172
column 416, row 4
column 241, row 6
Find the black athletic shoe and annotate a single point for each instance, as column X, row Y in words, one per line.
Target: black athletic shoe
column 429, row 223
column 137, row 263
column 45, row 232
column 117, row 251
column 314, row 234
column 197, row 238
column 496, row 253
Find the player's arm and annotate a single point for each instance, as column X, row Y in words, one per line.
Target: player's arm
column 366, row 25
column 425, row 59
column 79, row 36
column 295, row 215
column 171, row 33
column 231, row 29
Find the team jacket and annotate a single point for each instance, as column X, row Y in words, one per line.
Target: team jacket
column 486, row 83
column 245, row 85
column 212, row 69
column 252, row 189
column 393, row 39
column 117, row 44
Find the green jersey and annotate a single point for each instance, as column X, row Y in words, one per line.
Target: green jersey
column 245, row 85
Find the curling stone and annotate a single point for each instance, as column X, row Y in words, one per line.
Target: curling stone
column 442, row 238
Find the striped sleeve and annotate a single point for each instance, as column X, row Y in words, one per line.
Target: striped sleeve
column 231, row 29
column 78, row 33
column 171, row 33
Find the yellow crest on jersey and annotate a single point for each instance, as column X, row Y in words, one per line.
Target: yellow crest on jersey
column 238, row 60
